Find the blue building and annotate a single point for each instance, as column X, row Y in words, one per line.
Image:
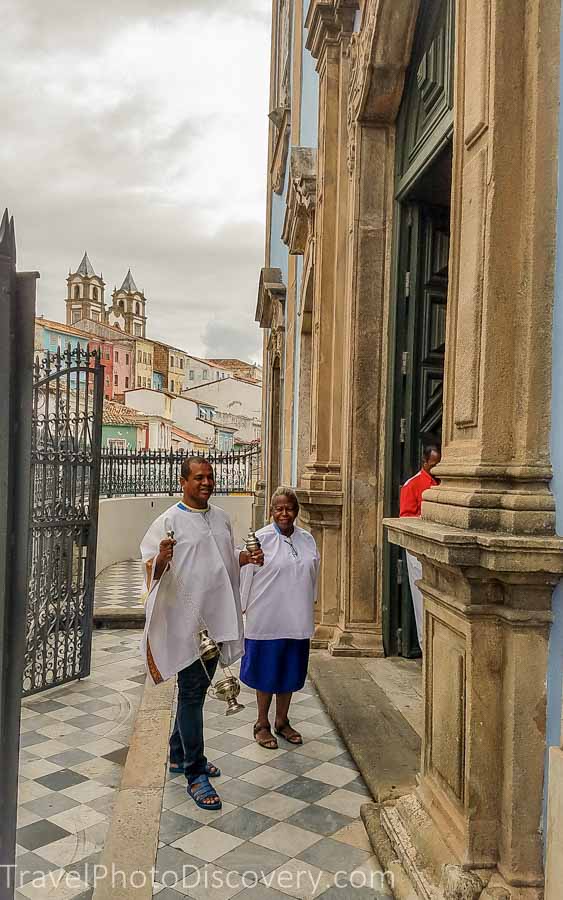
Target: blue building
column 294, row 90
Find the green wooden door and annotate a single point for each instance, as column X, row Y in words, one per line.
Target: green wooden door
column 422, row 286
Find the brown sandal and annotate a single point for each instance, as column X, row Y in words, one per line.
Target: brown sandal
column 268, row 743
column 288, row 733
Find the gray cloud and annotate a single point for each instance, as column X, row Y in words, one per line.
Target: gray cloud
column 140, row 137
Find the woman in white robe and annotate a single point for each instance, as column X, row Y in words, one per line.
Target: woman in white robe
column 278, row 600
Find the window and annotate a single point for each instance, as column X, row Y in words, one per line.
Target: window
column 107, row 354
column 107, row 380
column 172, row 386
column 138, row 381
column 150, row 359
column 139, row 356
column 138, row 329
column 76, row 313
column 122, row 304
column 117, row 444
column 95, row 315
column 116, row 380
column 137, row 309
column 116, row 355
column 181, row 362
column 217, row 375
column 205, row 373
column 95, row 293
column 191, row 376
column 126, row 382
column 77, row 293
column 126, row 359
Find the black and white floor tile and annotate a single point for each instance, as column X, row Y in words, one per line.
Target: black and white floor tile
column 73, row 746
column 290, row 824
column 120, row 586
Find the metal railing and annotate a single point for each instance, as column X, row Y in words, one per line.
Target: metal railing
column 137, row 473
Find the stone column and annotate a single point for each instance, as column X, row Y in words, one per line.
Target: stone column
column 487, row 582
column 374, row 97
column 323, row 469
column 495, row 470
column 359, row 630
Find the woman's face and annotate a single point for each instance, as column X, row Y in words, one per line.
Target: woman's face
column 284, row 512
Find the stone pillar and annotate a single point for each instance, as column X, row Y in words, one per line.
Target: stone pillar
column 495, row 470
column 487, row 582
column 359, row 630
column 329, row 24
column 323, row 468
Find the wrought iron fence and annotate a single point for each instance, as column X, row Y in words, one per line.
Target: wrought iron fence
column 134, row 473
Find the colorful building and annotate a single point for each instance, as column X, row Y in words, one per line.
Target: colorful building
column 123, row 428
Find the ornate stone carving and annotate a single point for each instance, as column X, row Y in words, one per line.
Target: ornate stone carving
column 271, row 295
column 281, row 118
column 301, row 201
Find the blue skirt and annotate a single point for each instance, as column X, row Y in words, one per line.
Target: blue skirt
column 275, row 667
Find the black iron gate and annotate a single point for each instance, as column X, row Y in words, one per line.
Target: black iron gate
column 65, row 456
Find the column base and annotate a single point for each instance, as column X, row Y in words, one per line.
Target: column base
column 412, row 851
column 348, row 642
column 322, row 637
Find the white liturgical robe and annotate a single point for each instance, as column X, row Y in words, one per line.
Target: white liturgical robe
column 200, row 589
column 279, row 597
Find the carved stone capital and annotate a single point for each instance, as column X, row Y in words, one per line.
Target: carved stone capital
column 322, row 26
column 298, row 225
column 271, row 293
column 380, row 53
column 328, row 22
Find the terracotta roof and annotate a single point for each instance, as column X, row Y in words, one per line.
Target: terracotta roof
column 234, row 363
column 187, row 436
column 118, row 414
column 59, row 326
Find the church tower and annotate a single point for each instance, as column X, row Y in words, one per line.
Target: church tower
column 128, row 308
column 85, row 294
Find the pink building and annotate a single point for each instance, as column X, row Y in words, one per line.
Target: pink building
column 123, row 367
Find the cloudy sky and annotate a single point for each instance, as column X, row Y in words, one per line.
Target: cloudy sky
column 137, row 131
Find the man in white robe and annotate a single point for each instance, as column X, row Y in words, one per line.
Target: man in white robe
column 192, row 581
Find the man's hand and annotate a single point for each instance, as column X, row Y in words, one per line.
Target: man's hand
column 166, row 551
column 256, row 558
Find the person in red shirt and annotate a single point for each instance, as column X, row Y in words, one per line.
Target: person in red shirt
column 411, row 506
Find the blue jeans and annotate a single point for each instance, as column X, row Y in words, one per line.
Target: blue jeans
column 186, row 741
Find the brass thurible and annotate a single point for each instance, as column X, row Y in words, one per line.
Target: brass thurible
column 251, row 542
column 208, row 648
column 228, row 689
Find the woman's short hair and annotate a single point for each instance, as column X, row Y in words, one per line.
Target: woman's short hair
column 284, row 491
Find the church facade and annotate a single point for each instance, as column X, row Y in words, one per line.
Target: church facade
column 408, row 292
column 86, row 300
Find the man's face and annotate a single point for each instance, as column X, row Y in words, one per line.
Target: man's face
column 433, row 460
column 199, row 485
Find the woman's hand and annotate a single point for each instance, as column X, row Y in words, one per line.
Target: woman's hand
column 255, row 558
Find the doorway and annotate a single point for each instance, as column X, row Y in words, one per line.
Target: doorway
column 422, row 288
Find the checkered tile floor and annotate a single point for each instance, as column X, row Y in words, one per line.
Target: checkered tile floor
column 121, row 586
column 289, row 826
column 73, row 746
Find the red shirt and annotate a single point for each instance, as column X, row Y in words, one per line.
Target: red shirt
column 412, row 491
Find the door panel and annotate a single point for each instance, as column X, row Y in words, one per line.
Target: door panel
column 419, row 376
